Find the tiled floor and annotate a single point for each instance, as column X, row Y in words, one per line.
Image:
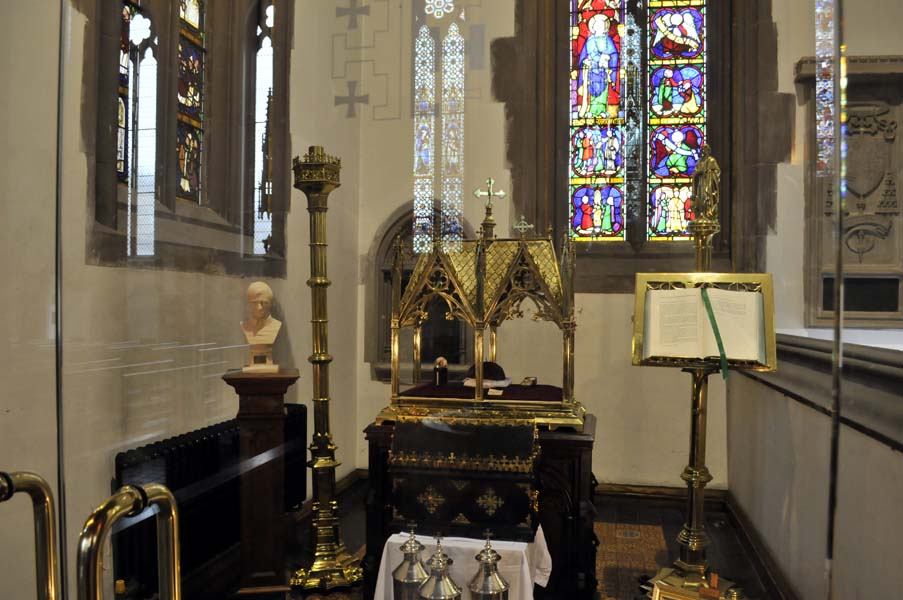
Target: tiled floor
column 637, row 537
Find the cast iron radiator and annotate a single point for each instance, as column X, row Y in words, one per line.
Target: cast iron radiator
column 202, row 470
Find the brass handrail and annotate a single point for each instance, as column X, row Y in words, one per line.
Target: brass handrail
column 168, row 559
column 129, row 501
column 46, row 559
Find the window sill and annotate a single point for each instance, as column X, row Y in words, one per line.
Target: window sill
column 191, row 238
column 613, row 270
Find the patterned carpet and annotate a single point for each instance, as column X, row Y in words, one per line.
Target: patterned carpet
column 636, row 538
column 626, row 552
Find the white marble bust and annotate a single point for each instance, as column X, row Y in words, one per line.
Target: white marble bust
column 260, row 329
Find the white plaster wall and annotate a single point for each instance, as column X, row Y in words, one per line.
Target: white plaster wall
column 642, row 435
column 784, row 255
column 28, row 68
column 643, row 428
column 778, row 460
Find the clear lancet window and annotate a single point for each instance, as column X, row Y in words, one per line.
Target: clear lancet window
column 615, row 56
column 263, row 159
column 136, row 151
column 190, row 96
column 439, row 162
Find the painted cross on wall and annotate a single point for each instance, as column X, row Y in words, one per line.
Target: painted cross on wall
column 352, row 99
column 352, row 11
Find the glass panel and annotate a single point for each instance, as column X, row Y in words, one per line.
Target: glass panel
column 28, row 407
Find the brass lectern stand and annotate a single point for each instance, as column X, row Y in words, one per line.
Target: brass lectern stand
column 690, row 579
column 332, row 567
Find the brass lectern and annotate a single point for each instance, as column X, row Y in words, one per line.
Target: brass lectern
column 690, row 578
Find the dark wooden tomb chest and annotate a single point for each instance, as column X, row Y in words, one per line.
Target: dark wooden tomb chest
column 462, row 479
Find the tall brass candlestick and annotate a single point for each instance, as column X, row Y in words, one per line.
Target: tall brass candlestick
column 317, row 175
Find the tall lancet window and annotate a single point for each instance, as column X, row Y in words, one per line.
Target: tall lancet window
column 190, row 95
column 136, row 144
column 677, row 121
column 452, row 138
column 424, row 129
column 637, row 73
column 438, row 124
column 263, row 156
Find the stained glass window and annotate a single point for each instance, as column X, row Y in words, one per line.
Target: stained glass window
column 263, row 163
column 635, row 74
column 824, row 87
column 438, row 93
column 191, row 13
column 424, row 125
column 676, row 123
column 596, row 194
column 122, row 104
column 191, row 78
column 190, row 96
column 452, row 138
column 136, row 144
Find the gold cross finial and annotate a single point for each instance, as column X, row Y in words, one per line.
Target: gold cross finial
column 522, row 226
column 489, row 194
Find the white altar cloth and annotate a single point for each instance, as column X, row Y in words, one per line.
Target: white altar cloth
column 522, row 564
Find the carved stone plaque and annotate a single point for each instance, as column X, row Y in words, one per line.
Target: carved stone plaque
column 872, row 230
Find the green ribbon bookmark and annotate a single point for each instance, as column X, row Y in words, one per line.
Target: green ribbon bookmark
column 708, row 310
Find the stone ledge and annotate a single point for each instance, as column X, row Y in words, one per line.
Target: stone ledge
column 872, row 390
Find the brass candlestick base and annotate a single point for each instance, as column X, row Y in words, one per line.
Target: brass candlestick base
column 332, row 567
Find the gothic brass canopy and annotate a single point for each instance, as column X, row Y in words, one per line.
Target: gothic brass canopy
column 482, row 285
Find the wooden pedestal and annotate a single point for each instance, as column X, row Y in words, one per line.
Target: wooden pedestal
column 261, row 420
column 566, row 512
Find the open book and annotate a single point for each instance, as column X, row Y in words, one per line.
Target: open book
column 677, row 325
